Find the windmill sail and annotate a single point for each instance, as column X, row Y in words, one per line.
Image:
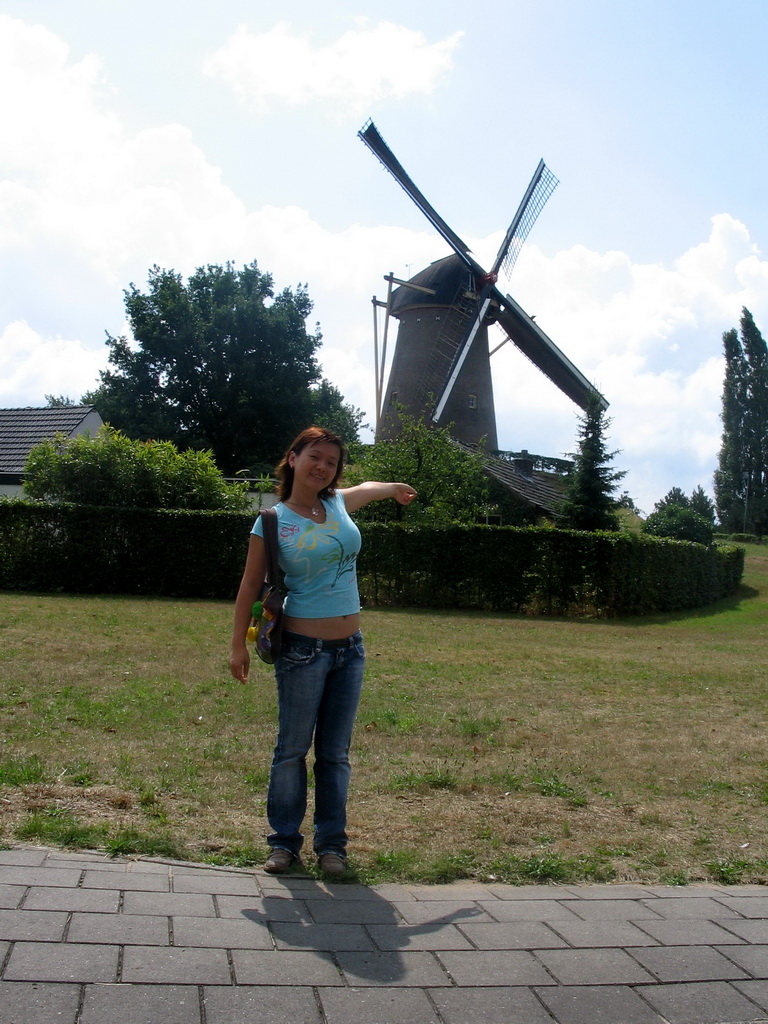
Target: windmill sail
column 371, row 136
column 542, row 185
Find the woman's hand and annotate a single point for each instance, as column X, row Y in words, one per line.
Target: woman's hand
column 403, row 493
column 239, row 663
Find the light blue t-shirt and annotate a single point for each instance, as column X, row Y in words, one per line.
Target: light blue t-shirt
column 319, row 561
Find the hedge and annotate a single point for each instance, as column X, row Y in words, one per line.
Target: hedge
column 160, row 552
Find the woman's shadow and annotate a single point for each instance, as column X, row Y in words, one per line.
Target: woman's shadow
column 362, row 930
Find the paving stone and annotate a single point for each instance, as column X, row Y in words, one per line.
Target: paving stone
column 532, row 910
column 175, row 965
column 593, row 967
column 265, row 909
column 747, row 906
column 515, row 893
column 217, row 933
column 688, row 892
column 753, row 959
column 100, row 879
column 166, row 904
column 29, row 1002
column 258, row 967
column 352, row 912
column 757, row 991
column 690, row 932
column 11, row 874
column 141, row 1004
column 752, row 931
column 609, row 1004
column 29, row 858
column 595, row 934
column 28, row 925
column 340, row 891
column 83, row 862
column 687, row 963
column 248, row 1004
column 61, row 961
column 233, row 885
column 707, row 1003
column 489, row 1006
column 455, row 893
column 393, row 893
column 320, row 936
column 441, row 911
column 607, row 892
column 691, row 907
column 495, row 967
column 11, row 896
column 377, row 1006
column 512, row 935
column 612, row 910
column 121, row 929
column 414, row 969
column 405, row 936
column 43, row 897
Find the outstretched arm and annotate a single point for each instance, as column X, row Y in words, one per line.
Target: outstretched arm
column 371, row 490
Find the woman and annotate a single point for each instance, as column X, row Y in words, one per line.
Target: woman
column 319, row 671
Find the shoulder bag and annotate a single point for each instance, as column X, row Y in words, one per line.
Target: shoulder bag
column 267, row 613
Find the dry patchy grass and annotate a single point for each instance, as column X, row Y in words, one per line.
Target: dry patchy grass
column 519, row 748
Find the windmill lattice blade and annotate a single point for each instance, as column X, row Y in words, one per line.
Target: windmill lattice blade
column 529, row 338
column 371, row 136
column 542, row 185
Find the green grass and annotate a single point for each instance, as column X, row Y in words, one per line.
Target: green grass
column 488, row 746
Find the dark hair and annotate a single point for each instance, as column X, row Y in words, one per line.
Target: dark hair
column 310, row 436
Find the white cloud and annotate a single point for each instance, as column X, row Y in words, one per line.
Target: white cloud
column 32, row 366
column 363, row 66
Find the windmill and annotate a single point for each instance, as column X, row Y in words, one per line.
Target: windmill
column 441, row 366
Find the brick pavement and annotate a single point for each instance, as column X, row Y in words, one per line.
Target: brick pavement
column 88, row 940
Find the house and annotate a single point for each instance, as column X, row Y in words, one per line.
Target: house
column 541, row 491
column 22, row 429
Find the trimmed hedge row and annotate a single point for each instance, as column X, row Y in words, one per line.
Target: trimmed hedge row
column 542, row 570
column 77, row 549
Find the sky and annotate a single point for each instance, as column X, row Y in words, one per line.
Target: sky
column 178, row 134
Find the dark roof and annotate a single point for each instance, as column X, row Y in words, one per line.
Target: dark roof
column 22, row 429
column 446, row 277
column 535, row 488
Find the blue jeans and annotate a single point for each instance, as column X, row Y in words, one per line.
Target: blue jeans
column 318, row 690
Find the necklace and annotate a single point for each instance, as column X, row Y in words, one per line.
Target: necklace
column 313, row 509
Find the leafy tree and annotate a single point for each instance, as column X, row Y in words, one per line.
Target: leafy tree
column 589, row 503
column 682, row 518
column 676, row 496
column 59, row 402
column 450, row 483
column 220, row 363
column 680, row 522
column 741, row 480
column 330, row 411
column 111, row 469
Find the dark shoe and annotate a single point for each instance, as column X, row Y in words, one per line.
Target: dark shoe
column 279, row 861
column 332, row 864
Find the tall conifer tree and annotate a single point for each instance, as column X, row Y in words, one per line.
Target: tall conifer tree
column 590, row 503
column 741, row 480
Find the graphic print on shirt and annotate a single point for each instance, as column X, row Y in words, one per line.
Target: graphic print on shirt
column 315, row 534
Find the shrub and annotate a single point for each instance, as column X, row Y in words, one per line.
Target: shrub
column 110, row 469
column 679, row 523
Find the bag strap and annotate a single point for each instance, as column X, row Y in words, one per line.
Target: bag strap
column 269, row 518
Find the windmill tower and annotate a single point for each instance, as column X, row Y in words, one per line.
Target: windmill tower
column 441, row 368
